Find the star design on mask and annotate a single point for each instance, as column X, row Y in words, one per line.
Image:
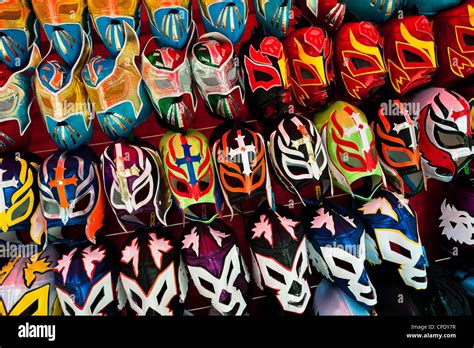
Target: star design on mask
column 289, row 225
column 218, row 236
column 131, row 252
column 379, row 205
column 263, row 228
column 324, row 219
column 64, row 263
column 158, row 247
column 90, row 257
column 403, row 202
column 192, row 241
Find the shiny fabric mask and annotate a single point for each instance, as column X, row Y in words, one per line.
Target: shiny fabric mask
column 454, row 36
column 217, row 75
column 216, row 266
column 168, row 80
column 409, row 53
column 64, row 22
column 350, row 145
column 134, row 184
column 309, row 52
column 376, row 11
column 109, row 16
column 27, row 285
column 396, row 138
column 327, row 14
column 16, row 98
column 279, row 257
column 116, row 89
column 241, row 165
column 87, row 281
column 273, row 16
column 71, row 192
column 190, row 174
column 170, row 21
column 298, row 157
column 445, row 132
column 19, row 200
column 359, row 66
column 63, row 100
column 153, row 274
column 226, row 17
column 392, row 236
column 18, row 31
column 267, row 76
column 337, row 249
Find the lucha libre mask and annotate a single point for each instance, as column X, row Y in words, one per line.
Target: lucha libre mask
column 86, row 281
column 116, row 89
column 109, row 16
column 153, row 274
column 170, row 21
column 63, row 102
column 167, row 75
column 267, row 75
column 20, row 211
column 298, row 157
column 27, row 285
column 392, row 236
column 216, row 266
column 64, row 22
column 18, row 31
column 16, row 97
column 360, row 70
column 409, row 53
column 241, row 165
column 376, row 11
column 396, row 138
column 190, row 174
column 350, row 144
column 430, row 8
column 279, row 257
column 309, row 52
column 327, row 14
column 273, row 16
column 71, row 192
column 337, row 249
column 226, row 17
column 445, row 132
column 454, row 36
column 134, row 184
column 217, row 75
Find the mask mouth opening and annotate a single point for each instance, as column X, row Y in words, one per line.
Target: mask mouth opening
column 201, row 211
column 365, row 187
column 441, row 171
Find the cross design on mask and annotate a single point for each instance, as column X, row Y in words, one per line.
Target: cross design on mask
column 188, row 160
column 359, row 127
column 3, row 185
column 60, row 183
column 123, row 174
column 243, row 150
column 304, row 140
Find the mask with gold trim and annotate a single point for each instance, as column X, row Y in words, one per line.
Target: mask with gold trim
column 396, row 138
column 116, row 89
column 18, row 32
column 64, row 22
column 71, row 193
column 63, row 101
column 409, row 53
column 376, row 11
column 20, row 212
column 16, row 97
column 392, row 236
column 27, row 285
column 309, row 52
column 360, row 70
column 108, row 18
column 170, row 21
column 273, row 16
column 454, row 36
column 227, row 17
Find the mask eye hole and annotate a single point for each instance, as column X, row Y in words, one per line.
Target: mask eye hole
column 276, row 275
column 82, row 204
column 180, row 186
column 142, row 195
column 307, row 74
column 21, row 210
column 344, row 265
column 117, row 198
column 468, row 39
column 97, row 300
column 262, row 76
column 360, row 63
column 400, row 250
column 207, row 285
column 411, row 57
column 30, row 310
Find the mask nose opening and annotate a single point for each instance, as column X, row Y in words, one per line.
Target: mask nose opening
column 295, row 289
column 225, row 297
